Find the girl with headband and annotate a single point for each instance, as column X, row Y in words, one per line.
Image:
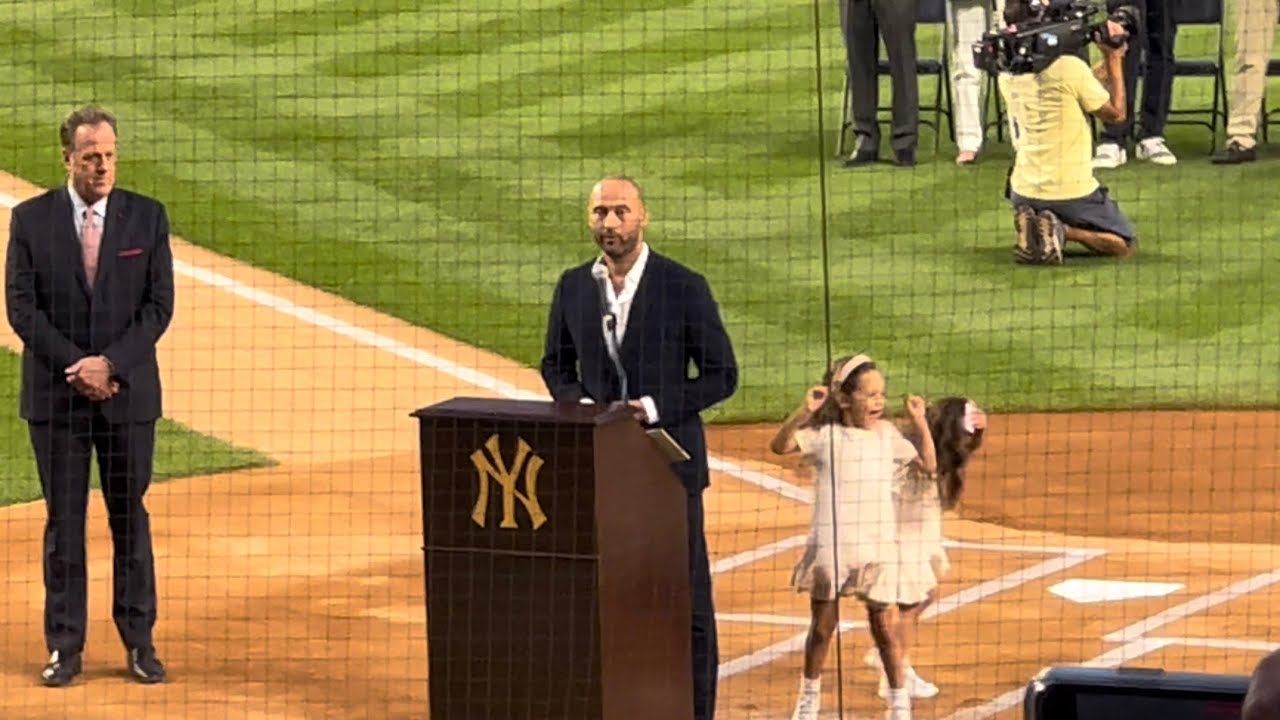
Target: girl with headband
column 851, row 550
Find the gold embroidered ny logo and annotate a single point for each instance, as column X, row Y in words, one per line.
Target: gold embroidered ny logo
column 492, row 466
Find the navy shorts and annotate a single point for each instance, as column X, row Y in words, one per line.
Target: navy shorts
column 1095, row 211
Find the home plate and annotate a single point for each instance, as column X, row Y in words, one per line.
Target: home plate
column 1083, row 591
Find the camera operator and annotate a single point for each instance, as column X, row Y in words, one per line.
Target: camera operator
column 1051, row 186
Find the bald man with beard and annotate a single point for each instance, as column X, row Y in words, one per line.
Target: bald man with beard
column 664, row 319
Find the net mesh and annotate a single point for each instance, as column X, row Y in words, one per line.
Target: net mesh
column 374, row 205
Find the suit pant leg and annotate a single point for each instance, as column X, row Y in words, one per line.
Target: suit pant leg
column 862, row 49
column 1157, row 85
column 706, row 651
column 61, row 449
column 897, row 22
column 125, row 453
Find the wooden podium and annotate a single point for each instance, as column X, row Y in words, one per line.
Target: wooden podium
column 556, row 565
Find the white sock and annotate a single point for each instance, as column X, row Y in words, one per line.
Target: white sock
column 899, row 698
column 810, row 687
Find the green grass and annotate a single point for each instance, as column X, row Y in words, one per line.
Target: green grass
column 433, row 161
column 180, row 452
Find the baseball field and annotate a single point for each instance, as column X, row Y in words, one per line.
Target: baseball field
column 371, row 203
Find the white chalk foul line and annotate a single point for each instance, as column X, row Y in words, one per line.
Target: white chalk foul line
column 948, row 604
column 418, row 356
column 1191, row 607
column 1137, row 643
column 750, row 556
column 1009, row 581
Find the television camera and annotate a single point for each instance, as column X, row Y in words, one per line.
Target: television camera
column 1053, row 28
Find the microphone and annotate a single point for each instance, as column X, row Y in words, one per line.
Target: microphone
column 609, row 325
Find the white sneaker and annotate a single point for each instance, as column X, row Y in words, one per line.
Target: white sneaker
column 1109, row 155
column 807, row 706
column 1154, row 149
column 917, row 687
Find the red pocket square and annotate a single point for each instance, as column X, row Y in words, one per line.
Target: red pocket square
column 130, row 252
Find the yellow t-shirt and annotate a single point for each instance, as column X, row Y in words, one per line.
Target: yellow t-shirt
column 1047, row 117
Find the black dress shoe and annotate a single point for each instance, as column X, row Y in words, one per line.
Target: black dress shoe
column 61, row 669
column 145, row 667
column 1234, row 154
column 905, row 157
column 862, row 156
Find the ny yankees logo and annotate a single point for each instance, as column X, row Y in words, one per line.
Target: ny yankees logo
column 492, row 466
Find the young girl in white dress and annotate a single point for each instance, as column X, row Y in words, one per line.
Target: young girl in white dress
column 956, row 425
column 852, row 551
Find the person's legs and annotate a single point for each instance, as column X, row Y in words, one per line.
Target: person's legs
column 861, row 49
column 706, row 652
column 897, row 22
column 883, row 619
column 61, row 450
column 1255, row 27
column 1157, row 87
column 824, row 614
column 968, row 20
column 1112, row 150
column 1094, row 221
column 125, row 453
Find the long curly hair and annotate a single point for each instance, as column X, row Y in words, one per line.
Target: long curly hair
column 955, row 446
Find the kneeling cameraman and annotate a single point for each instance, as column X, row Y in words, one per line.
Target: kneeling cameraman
column 1051, row 185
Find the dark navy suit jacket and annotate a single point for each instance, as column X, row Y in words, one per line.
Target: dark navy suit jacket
column 60, row 319
column 675, row 350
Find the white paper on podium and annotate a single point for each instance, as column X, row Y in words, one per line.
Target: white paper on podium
column 668, row 445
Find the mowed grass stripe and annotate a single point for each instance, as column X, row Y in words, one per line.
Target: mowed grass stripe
column 588, row 76
column 896, row 220
column 487, row 40
column 253, row 27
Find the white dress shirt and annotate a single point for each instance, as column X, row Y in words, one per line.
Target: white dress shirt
column 78, row 206
column 620, row 306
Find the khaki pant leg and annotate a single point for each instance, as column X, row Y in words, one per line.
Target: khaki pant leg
column 1255, row 29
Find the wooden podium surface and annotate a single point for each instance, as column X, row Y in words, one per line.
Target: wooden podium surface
column 556, row 559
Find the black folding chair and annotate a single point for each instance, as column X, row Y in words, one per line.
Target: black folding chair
column 1273, row 70
column 1202, row 12
column 928, row 12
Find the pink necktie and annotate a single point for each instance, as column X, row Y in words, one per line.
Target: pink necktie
column 90, row 238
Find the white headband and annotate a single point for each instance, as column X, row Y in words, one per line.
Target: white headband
column 845, row 370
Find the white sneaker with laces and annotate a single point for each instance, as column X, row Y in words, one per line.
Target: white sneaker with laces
column 1154, row 149
column 807, row 706
column 1109, row 155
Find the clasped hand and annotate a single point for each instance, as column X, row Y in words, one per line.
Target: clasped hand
column 91, row 377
